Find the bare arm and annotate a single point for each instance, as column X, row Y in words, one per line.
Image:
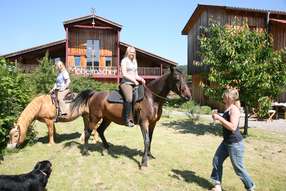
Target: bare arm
column 139, row 78
column 234, row 119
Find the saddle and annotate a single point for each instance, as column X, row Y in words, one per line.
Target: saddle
column 116, row 95
column 69, row 97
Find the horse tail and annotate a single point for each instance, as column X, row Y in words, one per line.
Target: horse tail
column 82, row 98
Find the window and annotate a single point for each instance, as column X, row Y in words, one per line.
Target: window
column 92, row 53
column 108, row 61
column 77, row 39
column 77, row 61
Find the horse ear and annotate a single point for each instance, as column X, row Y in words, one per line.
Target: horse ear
column 172, row 68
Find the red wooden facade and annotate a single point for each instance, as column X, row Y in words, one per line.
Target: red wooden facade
column 272, row 21
column 92, row 48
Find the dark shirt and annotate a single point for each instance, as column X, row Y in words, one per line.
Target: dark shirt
column 229, row 136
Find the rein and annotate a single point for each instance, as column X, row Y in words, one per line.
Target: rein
column 165, row 99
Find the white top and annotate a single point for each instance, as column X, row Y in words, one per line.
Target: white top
column 62, row 78
column 131, row 68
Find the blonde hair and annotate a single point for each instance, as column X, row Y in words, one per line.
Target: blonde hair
column 233, row 95
column 60, row 65
column 58, row 62
column 130, row 49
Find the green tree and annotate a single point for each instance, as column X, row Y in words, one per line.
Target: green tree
column 45, row 75
column 15, row 93
column 244, row 59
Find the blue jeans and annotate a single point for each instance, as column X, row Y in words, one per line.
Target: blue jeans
column 235, row 152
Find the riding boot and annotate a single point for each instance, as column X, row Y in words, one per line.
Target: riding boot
column 127, row 109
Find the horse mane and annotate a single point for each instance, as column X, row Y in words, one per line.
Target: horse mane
column 155, row 82
column 82, row 98
column 158, row 80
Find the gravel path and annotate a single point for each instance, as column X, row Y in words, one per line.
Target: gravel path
column 278, row 125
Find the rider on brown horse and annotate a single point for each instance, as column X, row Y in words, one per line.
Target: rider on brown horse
column 130, row 79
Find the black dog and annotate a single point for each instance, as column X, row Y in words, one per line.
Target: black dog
column 36, row 180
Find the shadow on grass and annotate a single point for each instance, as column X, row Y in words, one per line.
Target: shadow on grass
column 191, row 177
column 114, row 151
column 189, row 126
column 60, row 137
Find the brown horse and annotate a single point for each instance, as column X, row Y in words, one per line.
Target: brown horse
column 42, row 109
column 150, row 109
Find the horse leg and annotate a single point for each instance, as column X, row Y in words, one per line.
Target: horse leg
column 50, row 125
column 85, row 122
column 54, row 129
column 104, row 124
column 87, row 132
column 145, row 133
column 151, row 129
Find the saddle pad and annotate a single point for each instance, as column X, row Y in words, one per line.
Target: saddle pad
column 116, row 97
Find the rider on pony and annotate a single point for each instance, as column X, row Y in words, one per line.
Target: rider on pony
column 130, row 79
column 61, row 88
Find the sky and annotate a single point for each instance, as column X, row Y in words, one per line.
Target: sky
column 151, row 25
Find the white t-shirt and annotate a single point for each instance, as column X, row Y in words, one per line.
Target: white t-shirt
column 61, row 80
column 131, row 68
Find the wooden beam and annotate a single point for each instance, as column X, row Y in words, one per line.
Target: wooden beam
column 118, row 55
column 92, row 27
column 67, row 46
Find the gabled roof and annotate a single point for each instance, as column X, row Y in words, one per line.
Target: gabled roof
column 200, row 8
column 89, row 17
column 149, row 54
column 62, row 42
column 56, row 43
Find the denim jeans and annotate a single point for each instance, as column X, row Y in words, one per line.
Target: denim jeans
column 235, row 152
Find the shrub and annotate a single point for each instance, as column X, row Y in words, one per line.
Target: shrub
column 80, row 83
column 264, row 104
column 45, row 75
column 206, row 110
column 189, row 106
column 15, row 93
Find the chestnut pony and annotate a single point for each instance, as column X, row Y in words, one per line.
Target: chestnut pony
column 155, row 94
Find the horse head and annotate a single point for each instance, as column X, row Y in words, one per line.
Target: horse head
column 177, row 83
column 14, row 137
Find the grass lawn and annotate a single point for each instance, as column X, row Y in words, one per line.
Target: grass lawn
column 183, row 152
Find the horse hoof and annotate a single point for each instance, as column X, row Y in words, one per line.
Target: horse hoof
column 143, row 167
column 151, row 156
column 105, row 152
column 85, row 152
column 51, row 144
